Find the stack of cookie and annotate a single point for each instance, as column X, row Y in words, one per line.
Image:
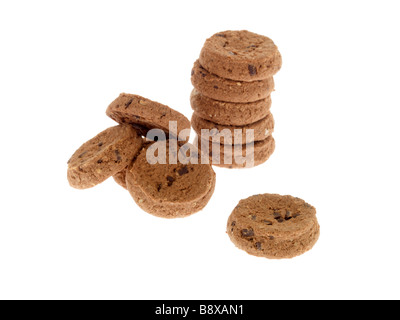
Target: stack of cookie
column 233, row 80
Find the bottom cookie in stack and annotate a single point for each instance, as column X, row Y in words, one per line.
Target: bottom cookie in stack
column 235, row 156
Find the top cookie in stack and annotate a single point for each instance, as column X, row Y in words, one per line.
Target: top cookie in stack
column 233, row 80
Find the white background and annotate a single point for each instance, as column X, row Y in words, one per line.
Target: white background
column 336, row 108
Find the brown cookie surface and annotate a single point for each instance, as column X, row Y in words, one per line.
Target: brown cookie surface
column 273, row 226
column 229, row 113
column 103, row 156
column 222, row 89
column 240, row 55
column 146, row 114
column 262, row 129
column 238, row 156
column 120, row 178
column 169, row 190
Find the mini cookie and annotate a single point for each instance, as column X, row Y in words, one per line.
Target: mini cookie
column 222, row 89
column 273, row 226
column 145, row 114
column 103, row 156
column 120, row 178
column 229, row 113
column 262, row 130
column 169, row 190
column 241, row 55
column 237, row 157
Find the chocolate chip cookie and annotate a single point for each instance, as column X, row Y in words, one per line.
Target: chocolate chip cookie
column 229, row 113
column 103, row 156
column 237, row 156
column 145, row 114
column 240, row 55
column 222, row 89
column 273, row 226
column 262, row 129
column 177, row 188
column 120, row 178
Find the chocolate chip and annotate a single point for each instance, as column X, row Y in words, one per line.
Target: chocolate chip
column 159, row 187
column 233, row 223
column 295, row 215
column 253, row 217
column 99, row 161
column 202, row 74
column 247, row 232
column 267, row 222
column 170, row 180
column 128, row 103
column 215, row 87
column 252, row 70
column 252, row 46
column 183, row 170
column 192, row 73
column 271, row 237
column 277, row 215
column 258, row 245
column 100, row 144
column 221, row 35
column 82, row 154
column 280, row 220
column 117, row 154
column 288, row 215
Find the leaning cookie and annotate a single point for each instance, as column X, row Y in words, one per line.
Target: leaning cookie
column 103, row 156
column 222, row 89
column 241, row 55
column 120, row 178
column 229, row 113
column 145, row 114
column 171, row 189
column 236, row 156
column 262, row 129
column 273, row 226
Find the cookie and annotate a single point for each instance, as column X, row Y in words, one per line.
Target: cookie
column 170, row 190
column 273, row 226
column 222, row 89
column 229, row 113
column 103, row 156
column 239, row 156
column 120, row 178
column 240, row 55
column 145, row 114
column 262, row 129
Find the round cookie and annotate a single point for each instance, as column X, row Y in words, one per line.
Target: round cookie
column 103, row 156
column 145, row 114
column 169, row 190
column 240, row 55
column 229, row 113
column 120, row 178
column 273, row 226
column 222, row 89
column 262, row 129
column 260, row 151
